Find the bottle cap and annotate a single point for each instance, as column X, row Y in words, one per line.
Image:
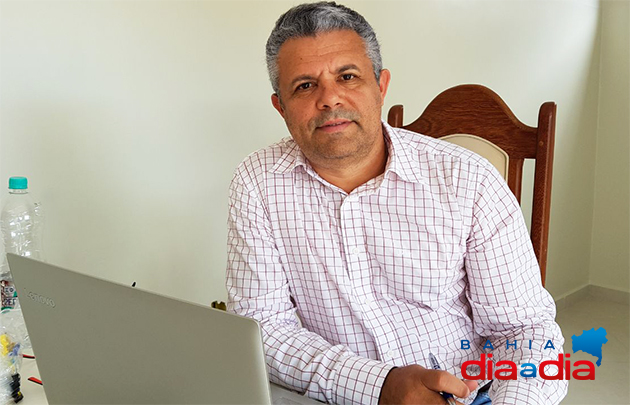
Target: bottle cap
column 18, row 183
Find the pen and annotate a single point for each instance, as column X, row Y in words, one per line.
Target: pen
column 436, row 366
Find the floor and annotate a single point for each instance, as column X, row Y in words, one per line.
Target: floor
column 612, row 378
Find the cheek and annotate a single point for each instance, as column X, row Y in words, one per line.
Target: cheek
column 378, row 99
column 297, row 116
column 365, row 99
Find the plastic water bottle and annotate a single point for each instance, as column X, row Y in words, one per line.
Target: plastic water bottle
column 21, row 224
column 21, row 221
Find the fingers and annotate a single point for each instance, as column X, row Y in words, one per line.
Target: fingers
column 442, row 381
column 471, row 384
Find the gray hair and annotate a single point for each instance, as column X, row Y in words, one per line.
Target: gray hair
column 312, row 18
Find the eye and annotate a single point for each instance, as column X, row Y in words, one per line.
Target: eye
column 304, row 86
column 348, row 76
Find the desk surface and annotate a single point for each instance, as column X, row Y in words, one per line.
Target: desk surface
column 34, row 393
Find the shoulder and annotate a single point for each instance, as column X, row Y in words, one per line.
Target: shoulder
column 260, row 164
column 439, row 160
column 437, row 149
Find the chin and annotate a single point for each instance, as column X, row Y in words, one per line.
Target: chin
column 339, row 154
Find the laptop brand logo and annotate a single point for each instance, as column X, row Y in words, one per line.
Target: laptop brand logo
column 41, row 299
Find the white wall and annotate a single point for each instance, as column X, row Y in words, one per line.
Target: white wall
column 610, row 257
column 129, row 117
column 529, row 52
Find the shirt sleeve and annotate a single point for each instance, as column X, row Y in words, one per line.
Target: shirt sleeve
column 509, row 303
column 258, row 288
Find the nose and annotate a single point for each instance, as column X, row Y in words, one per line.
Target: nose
column 330, row 96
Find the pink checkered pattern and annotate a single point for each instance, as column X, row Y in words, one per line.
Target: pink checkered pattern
column 433, row 251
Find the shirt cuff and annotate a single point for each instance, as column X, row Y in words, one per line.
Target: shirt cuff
column 359, row 380
column 527, row 391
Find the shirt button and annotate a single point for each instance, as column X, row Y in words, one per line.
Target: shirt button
column 355, row 251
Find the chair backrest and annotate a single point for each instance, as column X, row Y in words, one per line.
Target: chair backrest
column 475, row 117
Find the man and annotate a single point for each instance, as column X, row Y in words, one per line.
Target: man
column 389, row 245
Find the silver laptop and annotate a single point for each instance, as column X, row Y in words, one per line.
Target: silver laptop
column 98, row 342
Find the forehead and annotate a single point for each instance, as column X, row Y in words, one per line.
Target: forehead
column 307, row 55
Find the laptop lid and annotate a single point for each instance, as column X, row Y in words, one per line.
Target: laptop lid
column 99, row 342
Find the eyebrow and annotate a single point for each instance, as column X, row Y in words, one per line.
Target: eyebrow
column 342, row 69
column 351, row 66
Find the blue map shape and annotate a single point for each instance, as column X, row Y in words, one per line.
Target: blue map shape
column 591, row 342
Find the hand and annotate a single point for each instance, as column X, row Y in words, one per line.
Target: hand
column 417, row 385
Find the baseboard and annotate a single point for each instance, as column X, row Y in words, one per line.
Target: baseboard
column 618, row 296
column 589, row 290
column 571, row 297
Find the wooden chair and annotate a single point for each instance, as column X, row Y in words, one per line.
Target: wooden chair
column 475, row 117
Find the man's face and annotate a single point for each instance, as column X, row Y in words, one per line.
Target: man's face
column 329, row 97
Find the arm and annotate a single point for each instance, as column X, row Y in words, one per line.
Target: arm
column 506, row 294
column 258, row 288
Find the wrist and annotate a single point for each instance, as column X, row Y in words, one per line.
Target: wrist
column 389, row 377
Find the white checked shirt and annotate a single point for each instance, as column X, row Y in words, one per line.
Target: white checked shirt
column 433, row 251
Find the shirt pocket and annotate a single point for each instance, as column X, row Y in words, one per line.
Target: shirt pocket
column 420, row 270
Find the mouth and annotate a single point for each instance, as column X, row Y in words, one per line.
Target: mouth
column 335, row 125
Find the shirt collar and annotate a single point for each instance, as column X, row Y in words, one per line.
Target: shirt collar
column 291, row 158
column 403, row 155
column 400, row 160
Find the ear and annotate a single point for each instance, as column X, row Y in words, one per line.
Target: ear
column 383, row 83
column 277, row 104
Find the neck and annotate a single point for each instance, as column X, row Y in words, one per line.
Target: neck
column 349, row 175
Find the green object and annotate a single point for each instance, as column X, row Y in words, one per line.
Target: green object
column 18, row 183
column 219, row 305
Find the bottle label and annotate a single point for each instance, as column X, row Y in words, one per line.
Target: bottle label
column 9, row 295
